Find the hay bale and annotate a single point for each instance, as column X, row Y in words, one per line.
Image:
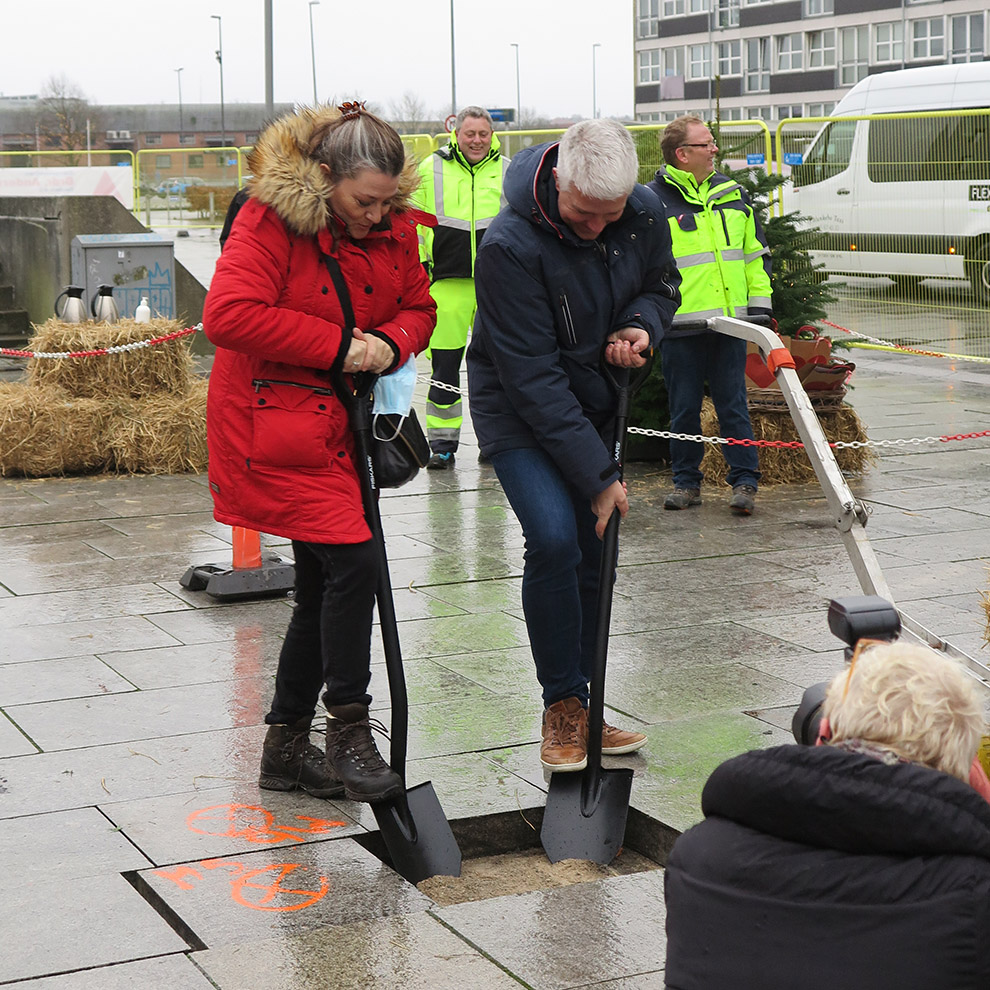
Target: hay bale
column 163, row 368
column 159, row 434
column 44, row 432
column 782, row 466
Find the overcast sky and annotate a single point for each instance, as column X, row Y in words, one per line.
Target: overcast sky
column 126, row 51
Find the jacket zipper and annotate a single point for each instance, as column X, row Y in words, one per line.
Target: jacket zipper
column 259, row 383
column 565, row 308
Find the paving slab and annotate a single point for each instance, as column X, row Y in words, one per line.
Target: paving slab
column 176, row 972
column 411, row 951
column 258, row 895
column 48, row 680
column 572, row 936
column 98, row 603
column 80, row 637
column 63, row 846
column 64, row 925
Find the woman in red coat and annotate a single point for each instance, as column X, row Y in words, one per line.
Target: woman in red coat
column 329, row 186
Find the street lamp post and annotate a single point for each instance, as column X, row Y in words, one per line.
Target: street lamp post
column 312, row 46
column 513, row 44
column 223, row 124
column 178, row 79
column 594, row 78
column 453, row 64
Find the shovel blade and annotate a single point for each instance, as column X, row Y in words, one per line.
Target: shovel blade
column 417, row 835
column 577, row 825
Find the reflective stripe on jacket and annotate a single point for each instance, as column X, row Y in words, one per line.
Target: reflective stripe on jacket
column 465, row 198
column 718, row 243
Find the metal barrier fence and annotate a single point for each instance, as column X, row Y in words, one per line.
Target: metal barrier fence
column 903, row 205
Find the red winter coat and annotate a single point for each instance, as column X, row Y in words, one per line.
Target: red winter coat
column 281, row 449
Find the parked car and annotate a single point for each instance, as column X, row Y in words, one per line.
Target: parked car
column 176, row 185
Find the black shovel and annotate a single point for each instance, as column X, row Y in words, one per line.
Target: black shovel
column 585, row 815
column 414, row 827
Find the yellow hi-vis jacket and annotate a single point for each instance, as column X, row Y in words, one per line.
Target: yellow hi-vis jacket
column 719, row 246
column 465, row 198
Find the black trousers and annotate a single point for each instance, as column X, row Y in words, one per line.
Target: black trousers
column 329, row 636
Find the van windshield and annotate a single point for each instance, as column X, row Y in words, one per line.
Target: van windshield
column 828, row 156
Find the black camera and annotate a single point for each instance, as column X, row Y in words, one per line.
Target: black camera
column 851, row 619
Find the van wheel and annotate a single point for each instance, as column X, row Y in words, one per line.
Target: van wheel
column 978, row 272
column 909, row 285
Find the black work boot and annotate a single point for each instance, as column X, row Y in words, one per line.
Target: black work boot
column 289, row 762
column 352, row 753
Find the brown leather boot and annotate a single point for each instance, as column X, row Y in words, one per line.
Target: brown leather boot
column 290, row 762
column 352, row 751
column 565, row 736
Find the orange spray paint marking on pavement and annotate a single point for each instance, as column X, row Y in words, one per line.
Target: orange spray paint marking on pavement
column 255, row 824
column 273, row 890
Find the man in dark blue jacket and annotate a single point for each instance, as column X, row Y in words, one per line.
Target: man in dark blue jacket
column 579, row 263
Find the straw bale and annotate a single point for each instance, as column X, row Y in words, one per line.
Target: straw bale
column 784, row 466
column 44, row 432
column 163, row 368
column 159, row 434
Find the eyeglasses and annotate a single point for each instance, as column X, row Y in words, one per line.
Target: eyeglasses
column 707, row 144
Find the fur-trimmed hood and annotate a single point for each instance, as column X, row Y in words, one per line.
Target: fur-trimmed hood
column 285, row 177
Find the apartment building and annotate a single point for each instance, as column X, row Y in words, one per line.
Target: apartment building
column 771, row 59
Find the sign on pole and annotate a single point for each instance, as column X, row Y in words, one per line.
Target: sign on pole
column 448, row 124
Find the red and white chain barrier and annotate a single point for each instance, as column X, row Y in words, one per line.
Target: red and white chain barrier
column 100, row 351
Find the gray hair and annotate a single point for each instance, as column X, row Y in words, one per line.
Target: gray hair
column 598, row 158
column 473, row 112
column 360, row 140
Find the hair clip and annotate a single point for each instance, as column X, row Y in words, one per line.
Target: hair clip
column 351, row 110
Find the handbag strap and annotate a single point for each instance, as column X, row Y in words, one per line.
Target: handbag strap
column 337, row 277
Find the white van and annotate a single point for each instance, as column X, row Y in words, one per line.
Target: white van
column 906, row 197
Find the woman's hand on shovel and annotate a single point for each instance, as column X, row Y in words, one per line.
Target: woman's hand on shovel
column 604, row 503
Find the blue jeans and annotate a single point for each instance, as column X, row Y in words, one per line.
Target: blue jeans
column 688, row 362
column 560, row 575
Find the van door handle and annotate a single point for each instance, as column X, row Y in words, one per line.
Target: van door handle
column 842, row 192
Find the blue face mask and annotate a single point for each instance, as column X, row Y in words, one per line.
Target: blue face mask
column 394, row 392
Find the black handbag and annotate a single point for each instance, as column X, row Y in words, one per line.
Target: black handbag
column 399, row 447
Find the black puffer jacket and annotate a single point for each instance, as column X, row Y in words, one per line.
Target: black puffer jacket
column 546, row 302
column 817, row 867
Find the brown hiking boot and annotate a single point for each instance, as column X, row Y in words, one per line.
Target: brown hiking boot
column 565, row 736
column 290, row 762
column 352, row 752
column 615, row 741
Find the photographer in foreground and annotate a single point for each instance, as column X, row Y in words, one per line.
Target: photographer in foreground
column 862, row 862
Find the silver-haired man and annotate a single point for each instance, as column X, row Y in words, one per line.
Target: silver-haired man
column 579, row 261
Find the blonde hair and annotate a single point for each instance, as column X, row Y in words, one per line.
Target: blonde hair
column 911, row 700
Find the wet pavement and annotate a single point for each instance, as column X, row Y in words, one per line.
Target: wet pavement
column 138, row 848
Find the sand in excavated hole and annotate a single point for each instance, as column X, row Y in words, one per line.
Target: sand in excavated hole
column 523, row 871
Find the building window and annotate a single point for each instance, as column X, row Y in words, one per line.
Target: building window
column 187, row 138
column 757, row 65
column 728, row 13
column 672, row 61
column 889, row 41
column 789, row 52
column 699, row 62
column 652, row 116
column 821, row 49
column 698, row 6
column 791, row 110
column 966, row 32
column 671, row 8
column 814, row 7
column 649, row 66
column 854, row 55
column 758, row 113
column 730, row 58
column 152, row 139
column 194, row 161
column 820, row 109
column 753, row 3
column 928, row 38
column 647, row 18
column 163, row 161
column 732, row 113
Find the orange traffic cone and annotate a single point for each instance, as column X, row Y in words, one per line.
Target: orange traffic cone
column 251, row 574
